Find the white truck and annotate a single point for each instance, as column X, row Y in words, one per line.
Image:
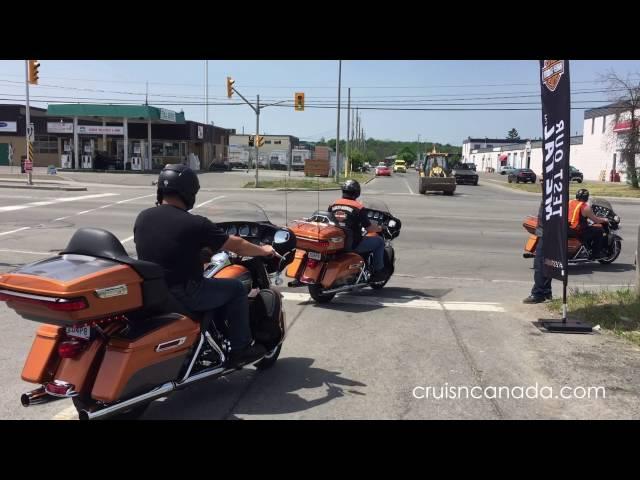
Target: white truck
column 238, row 157
column 298, row 158
column 279, row 160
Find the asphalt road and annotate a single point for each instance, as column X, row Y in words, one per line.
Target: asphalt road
column 451, row 316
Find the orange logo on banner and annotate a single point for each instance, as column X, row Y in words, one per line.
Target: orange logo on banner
column 551, row 73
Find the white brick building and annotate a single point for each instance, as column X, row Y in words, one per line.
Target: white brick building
column 596, row 153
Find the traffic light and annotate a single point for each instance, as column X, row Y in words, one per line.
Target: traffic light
column 230, row 82
column 260, row 140
column 299, row 102
column 34, row 66
column 251, row 140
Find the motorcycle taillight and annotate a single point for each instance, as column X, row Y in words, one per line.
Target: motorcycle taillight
column 70, row 348
column 311, row 263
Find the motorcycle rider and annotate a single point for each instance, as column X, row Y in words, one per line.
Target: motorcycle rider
column 170, row 236
column 579, row 212
column 352, row 215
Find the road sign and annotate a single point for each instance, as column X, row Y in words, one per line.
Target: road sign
column 30, row 130
column 28, row 166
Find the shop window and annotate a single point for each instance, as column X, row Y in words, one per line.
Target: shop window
column 277, row 142
column 45, row 144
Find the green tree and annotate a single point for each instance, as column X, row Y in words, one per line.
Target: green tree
column 407, row 154
column 513, row 134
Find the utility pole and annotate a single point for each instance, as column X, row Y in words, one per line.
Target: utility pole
column 347, row 168
column 338, row 128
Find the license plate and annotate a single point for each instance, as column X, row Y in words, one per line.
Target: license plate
column 79, row 332
column 315, row 256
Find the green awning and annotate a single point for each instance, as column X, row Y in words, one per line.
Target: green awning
column 133, row 112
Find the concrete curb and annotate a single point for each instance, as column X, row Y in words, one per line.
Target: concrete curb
column 629, row 200
column 37, row 187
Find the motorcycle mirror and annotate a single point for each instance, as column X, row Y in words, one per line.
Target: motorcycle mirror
column 616, row 218
column 281, row 236
column 392, row 223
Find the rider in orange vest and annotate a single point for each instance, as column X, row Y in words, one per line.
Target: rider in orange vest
column 579, row 212
column 352, row 215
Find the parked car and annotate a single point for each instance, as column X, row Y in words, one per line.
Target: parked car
column 383, row 170
column 505, row 170
column 524, row 175
column 575, row 175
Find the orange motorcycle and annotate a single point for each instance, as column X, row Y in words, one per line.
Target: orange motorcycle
column 114, row 338
column 324, row 260
column 577, row 251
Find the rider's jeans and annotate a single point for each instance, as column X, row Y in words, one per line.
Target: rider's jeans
column 212, row 293
column 541, row 284
column 375, row 245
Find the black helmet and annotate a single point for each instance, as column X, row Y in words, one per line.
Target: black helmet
column 582, row 195
column 351, row 189
column 179, row 180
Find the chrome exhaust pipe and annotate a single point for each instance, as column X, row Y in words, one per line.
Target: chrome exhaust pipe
column 149, row 396
column 37, row 397
column 118, row 407
column 347, row 288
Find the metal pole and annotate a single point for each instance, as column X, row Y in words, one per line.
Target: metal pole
column 347, row 168
column 206, row 92
column 418, row 151
column 256, row 137
column 338, row 128
column 28, row 121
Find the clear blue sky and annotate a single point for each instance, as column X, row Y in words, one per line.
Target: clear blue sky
column 384, row 82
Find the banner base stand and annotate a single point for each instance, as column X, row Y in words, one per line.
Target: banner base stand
column 570, row 326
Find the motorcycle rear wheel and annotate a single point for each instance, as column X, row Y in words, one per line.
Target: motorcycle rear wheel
column 316, row 293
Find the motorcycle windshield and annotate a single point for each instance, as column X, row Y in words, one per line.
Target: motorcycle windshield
column 379, row 205
column 601, row 202
column 222, row 210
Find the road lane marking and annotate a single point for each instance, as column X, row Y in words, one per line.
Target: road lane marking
column 11, row 208
column 208, row 201
column 410, row 303
column 408, row 186
column 14, row 231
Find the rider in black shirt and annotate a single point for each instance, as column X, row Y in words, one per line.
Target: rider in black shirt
column 170, row 236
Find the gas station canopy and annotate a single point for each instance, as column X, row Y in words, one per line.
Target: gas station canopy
column 130, row 112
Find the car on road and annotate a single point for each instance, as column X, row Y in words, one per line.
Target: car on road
column 383, row 170
column 400, row 166
column 523, row 175
column 505, row 169
column 465, row 173
column 575, row 175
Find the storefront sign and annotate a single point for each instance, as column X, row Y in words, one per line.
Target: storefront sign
column 99, row 130
column 167, row 115
column 58, row 127
column 8, row 126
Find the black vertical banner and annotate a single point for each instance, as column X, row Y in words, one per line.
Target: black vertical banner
column 556, row 114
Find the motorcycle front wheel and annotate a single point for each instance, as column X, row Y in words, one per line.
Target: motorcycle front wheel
column 615, row 253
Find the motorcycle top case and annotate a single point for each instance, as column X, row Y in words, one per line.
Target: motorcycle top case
column 67, row 289
column 318, row 237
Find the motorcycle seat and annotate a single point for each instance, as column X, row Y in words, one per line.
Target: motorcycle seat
column 96, row 242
